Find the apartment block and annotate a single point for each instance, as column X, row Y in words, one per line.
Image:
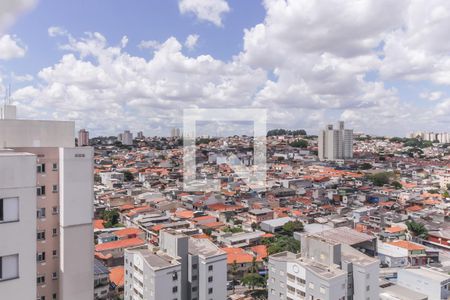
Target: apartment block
column 63, row 203
column 17, row 225
column 182, row 268
column 335, row 143
column 325, row 270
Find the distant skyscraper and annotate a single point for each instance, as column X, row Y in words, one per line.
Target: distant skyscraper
column 140, row 135
column 83, row 137
column 335, row 143
column 126, row 138
column 55, row 179
column 175, row 132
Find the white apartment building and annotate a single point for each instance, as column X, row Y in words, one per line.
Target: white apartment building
column 444, row 179
column 17, row 225
column 181, row 268
column 433, row 283
column 151, row 276
column 335, row 143
column 126, row 138
column 325, row 270
column 63, row 255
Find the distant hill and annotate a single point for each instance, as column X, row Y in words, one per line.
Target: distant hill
column 277, row 132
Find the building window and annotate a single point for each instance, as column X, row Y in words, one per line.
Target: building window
column 55, row 210
column 194, row 288
column 55, row 188
column 40, row 168
column 55, row 231
column 174, row 276
column 55, row 253
column 55, row 167
column 40, row 256
column 9, row 210
column 194, row 266
column 194, row 277
column 368, row 288
column 210, row 268
column 41, row 213
column 54, row 296
column 40, row 279
column 175, row 289
column 210, row 290
column 41, row 235
column 54, row 275
column 9, row 267
column 40, row 190
column 210, row 279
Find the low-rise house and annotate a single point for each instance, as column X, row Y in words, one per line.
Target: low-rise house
column 259, row 215
column 402, row 253
column 111, row 253
column 101, row 280
column 274, row 225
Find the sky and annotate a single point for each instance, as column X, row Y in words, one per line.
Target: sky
column 381, row 66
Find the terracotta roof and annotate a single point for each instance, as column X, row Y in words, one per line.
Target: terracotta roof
column 184, row 214
column 127, row 232
column 237, row 255
column 414, row 208
column 116, row 275
column 98, row 224
column 394, row 229
column 260, row 250
column 407, row 245
column 214, row 224
column 119, row 244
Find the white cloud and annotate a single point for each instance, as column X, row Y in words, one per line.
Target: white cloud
column 10, row 47
column 57, row 31
column 10, row 10
column 205, row 10
column 305, row 63
column 191, row 41
column 21, row 78
column 152, row 44
column 131, row 91
column 432, row 96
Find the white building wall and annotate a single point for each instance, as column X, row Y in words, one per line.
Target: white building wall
column 18, row 179
column 76, row 212
column 31, row 133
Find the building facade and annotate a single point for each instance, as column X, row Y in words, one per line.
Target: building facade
column 325, row 270
column 17, row 225
column 63, row 200
column 335, row 143
column 83, row 138
column 181, row 268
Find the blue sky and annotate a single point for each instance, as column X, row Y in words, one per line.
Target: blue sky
column 381, row 66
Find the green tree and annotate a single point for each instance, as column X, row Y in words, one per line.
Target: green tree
column 418, row 229
column 254, row 226
column 380, row 179
column 282, row 243
column 365, row 166
column 448, row 186
column 292, row 226
column 397, row 185
column 128, row 176
column 253, row 280
column 299, row 144
column 111, row 218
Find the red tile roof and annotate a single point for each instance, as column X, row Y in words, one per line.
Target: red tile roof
column 119, row 244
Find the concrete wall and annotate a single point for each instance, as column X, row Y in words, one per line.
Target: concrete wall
column 18, row 179
column 31, row 133
column 76, row 212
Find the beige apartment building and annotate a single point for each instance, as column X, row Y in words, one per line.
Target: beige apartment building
column 63, row 201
